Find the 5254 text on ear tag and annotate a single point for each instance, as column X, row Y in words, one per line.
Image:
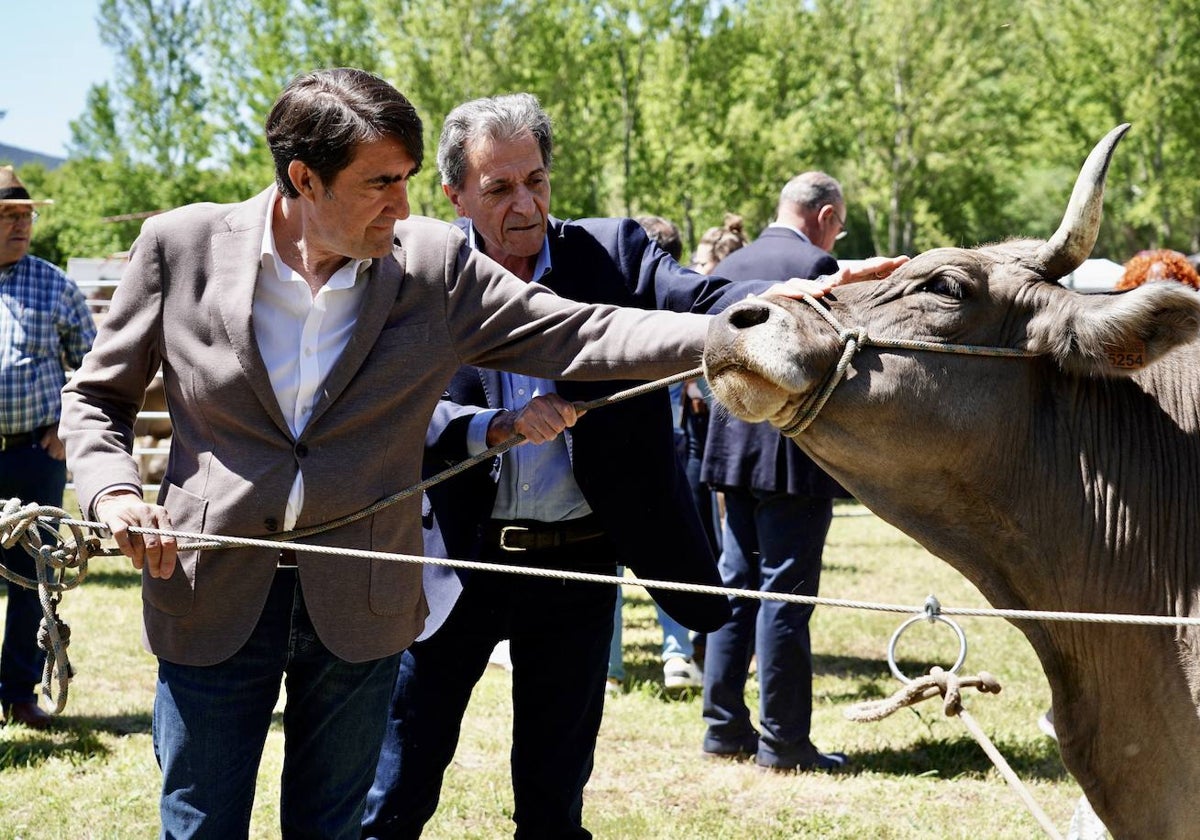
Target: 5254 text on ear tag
column 1131, row 356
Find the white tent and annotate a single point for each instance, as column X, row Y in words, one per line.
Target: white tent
column 1098, row 275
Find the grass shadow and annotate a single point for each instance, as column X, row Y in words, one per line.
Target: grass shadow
column 961, row 756
column 32, row 748
column 128, row 578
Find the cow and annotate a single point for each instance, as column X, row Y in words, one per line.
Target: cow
column 1045, row 443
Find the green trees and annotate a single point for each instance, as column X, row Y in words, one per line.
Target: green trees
column 947, row 123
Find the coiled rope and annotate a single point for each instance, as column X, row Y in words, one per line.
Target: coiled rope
column 54, row 561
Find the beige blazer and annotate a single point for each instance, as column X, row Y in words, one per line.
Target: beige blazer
column 433, row 305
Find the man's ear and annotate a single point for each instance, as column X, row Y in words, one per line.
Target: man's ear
column 303, row 179
column 455, row 199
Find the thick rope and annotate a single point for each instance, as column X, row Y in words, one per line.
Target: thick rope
column 202, row 540
column 949, row 686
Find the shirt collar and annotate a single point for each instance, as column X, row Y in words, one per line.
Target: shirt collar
column 540, row 269
column 794, row 230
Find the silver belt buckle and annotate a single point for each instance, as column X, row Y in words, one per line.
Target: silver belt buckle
column 504, row 534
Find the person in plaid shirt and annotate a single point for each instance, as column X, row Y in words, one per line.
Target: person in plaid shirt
column 45, row 328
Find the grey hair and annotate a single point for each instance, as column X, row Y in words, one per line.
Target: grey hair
column 495, row 118
column 811, row 191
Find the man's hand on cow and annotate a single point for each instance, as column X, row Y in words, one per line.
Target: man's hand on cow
column 542, row 419
column 121, row 510
column 876, row 268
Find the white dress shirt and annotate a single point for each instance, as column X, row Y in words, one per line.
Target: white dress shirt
column 301, row 336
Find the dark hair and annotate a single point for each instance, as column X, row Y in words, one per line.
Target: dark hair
column 497, row 118
column 322, row 117
column 717, row 243
column 665, row 233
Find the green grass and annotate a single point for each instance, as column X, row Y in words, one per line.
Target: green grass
column 916, row 774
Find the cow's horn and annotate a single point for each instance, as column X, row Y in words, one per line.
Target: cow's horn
column 1076, row 236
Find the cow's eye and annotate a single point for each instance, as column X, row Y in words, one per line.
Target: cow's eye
column 945, row 285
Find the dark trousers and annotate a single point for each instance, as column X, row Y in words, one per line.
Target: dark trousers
column 773, row 543
column 559, row 634
column 211, row 723
column 29, row 474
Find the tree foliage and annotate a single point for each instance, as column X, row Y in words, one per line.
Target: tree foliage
column 947, row 123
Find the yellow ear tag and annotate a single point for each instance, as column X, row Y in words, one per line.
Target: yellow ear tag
column 1130, row 357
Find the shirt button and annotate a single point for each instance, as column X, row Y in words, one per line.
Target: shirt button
column 308, row 351
column 525, row 487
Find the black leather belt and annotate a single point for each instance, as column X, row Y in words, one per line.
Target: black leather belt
column 19, row 439
column 287, row 559
column 528, row 535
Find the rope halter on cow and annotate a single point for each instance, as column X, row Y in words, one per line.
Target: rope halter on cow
column 855, row 338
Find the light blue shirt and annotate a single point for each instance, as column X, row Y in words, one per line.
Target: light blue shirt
column 536, row 480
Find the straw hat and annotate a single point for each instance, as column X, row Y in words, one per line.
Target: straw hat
column 12, row 191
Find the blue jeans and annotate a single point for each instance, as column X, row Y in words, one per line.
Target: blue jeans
column 211, row 722
column 28, row 474
column 773, row 542
column 677, row 639
column 558, row 634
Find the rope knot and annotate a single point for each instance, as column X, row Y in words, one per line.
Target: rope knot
column 46, row 637
column 854, row 335
column 16, row 521
column 949, row 687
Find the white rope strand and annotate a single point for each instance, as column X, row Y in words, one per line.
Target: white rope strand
column 203, row 540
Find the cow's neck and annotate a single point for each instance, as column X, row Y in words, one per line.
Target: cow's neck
column 1073, row 510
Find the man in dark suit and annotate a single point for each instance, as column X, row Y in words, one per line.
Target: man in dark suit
column 610, row 492
column 778, row 508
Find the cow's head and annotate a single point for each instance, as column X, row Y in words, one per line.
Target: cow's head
column 1055, row 480
column 765, row 356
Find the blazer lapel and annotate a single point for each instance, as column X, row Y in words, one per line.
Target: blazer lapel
column 383, row 286
column 236, row 255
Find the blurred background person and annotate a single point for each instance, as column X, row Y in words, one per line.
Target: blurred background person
column 45, row 327
column 1161, row 264
column 718, row 242
column 778, row 508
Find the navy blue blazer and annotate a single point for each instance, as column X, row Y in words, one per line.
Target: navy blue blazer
column 623, row 455
column 755, row 455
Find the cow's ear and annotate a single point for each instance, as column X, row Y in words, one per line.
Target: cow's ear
column 1113, row 334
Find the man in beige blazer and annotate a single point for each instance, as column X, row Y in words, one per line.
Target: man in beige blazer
column 305, row 337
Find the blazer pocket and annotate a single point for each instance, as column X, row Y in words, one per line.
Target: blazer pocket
column 175, row 595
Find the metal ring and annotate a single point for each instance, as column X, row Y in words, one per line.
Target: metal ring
column 962, row 643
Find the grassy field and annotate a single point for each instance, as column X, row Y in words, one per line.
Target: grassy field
column 916, row 774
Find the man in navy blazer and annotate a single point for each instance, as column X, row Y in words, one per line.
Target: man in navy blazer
column 611, row 491
column 778, row 508
column 615, row 494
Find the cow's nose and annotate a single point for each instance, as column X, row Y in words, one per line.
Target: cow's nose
column 749, row 313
